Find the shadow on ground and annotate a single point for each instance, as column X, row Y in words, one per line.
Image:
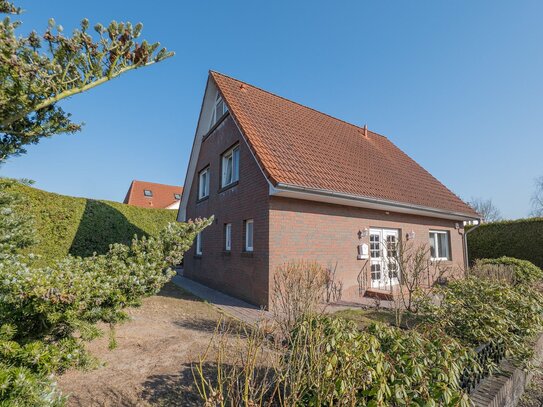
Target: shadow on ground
column 172, row 390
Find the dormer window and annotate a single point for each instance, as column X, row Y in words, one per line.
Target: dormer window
column 218, row 110
column 148, row 193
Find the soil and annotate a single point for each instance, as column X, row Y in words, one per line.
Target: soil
column 151, row 363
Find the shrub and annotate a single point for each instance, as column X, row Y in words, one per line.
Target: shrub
column 521, row 238
column 515, row 271
column 79, row 226
column 328, row 361
column 479, row 311
column 46, row 313
column 298, row 289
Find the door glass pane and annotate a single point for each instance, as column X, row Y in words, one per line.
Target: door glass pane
column 375, row 271
column 375, row 246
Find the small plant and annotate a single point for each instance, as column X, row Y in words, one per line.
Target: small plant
column 299, row 288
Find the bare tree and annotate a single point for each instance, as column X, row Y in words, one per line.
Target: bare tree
column 486, row 209
column 537, row 198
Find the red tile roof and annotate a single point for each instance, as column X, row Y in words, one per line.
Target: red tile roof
column 300, row 146
column 163, row 195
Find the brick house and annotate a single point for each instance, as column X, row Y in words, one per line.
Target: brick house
column 287, row 182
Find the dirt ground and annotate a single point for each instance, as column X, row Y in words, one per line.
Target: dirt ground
column 151, row 364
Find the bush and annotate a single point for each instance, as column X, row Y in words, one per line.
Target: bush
column 46, row 313
column 298, row 289
column 79, row 226
column 328, row 361
column 521, row 238
column 515, row 271
column 479, row 311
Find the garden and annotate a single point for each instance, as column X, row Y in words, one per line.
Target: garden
column 64, row 316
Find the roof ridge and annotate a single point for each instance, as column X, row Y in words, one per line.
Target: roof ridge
column 297, row 103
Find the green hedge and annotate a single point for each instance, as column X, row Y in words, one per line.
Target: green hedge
column 80, row 226
column 522, row 239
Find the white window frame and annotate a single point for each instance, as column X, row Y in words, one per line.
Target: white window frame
column 249, row 245
column 432, row 235
column 219, row 109
column 203, row 190
column 233, row 165
column 228, row 237
column 199, row 244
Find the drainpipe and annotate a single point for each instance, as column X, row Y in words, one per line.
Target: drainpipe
column 466, row 233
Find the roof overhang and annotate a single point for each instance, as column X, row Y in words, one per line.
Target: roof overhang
column 338, row 198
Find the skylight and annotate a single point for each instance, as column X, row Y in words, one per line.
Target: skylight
column 147, row 192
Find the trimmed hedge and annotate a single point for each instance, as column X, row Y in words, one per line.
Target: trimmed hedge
column 80, row 226
column 522, row 239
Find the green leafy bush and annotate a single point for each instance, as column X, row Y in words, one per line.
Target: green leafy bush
column 79, row 226
column 521, row 238
column 328, row 361
column 522, row 272
column 46, row 313
column 478, row 311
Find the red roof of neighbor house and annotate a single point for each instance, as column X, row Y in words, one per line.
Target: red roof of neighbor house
column 299, row 146
column 163, row 195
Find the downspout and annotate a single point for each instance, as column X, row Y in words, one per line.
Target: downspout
column 466, row 233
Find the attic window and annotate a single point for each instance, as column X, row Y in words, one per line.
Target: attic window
column 148, row 192
column 219, row 109
column 177, row 196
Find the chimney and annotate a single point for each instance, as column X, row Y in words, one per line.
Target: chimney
column 366, row 130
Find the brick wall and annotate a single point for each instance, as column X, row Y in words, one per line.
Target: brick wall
column 327, row 234
column 240, row 274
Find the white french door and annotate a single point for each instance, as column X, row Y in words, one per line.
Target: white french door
column 383, row 258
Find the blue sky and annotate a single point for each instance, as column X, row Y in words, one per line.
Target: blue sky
column 457, row 85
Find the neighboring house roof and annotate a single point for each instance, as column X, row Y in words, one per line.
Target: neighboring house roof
column 161, row 195
column 297, row 146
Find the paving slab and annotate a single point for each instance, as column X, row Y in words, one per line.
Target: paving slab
column 231, row 306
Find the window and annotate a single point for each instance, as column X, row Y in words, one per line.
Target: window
column 228, row 237
column 203, row 185
column 249, row 235
column 230, row 167
column 218, row 110
column 199, row 244
column 439, row 245
column 148, row 192
column 177, row 196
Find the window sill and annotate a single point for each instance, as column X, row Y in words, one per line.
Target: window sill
column 247, row 254
column 440, row 259
column 205, row 198
column 231, row 185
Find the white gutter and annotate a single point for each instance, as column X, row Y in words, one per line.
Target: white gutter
column 362, row 201
column 466, row 233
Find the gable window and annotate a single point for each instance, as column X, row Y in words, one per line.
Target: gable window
column 199, row 244
column 230, row 167
column 177, row 196
column 249, row 235
column 227, row 237
column 203, row 183
column 218, row 110
column 440, row 245
column 148, row 192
